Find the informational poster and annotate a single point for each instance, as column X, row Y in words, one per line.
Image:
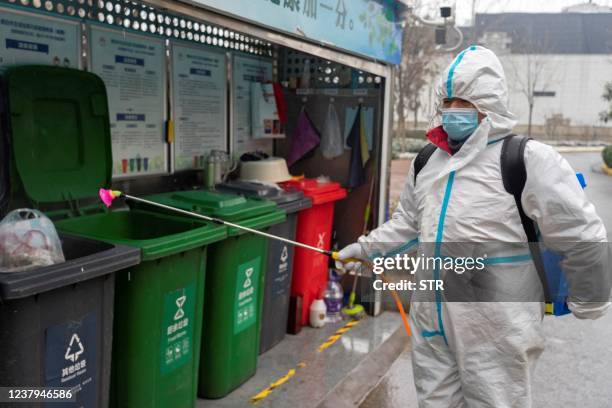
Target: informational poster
column 245, row 70
column 265, row 121
column 177, row 328
column 34, row 39
column 133, row 69
column 199, row 104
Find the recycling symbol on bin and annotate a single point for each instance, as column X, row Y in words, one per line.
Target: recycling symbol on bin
column 284, row 254
column 247, row 281
column 75, row 348
column 179, row 303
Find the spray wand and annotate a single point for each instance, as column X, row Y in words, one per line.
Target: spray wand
column 108, row 196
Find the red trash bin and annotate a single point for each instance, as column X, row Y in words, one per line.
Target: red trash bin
column 314, row 227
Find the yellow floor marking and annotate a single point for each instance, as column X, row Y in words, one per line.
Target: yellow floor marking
column 336, row 336
column 330, row 341
column 263, row 394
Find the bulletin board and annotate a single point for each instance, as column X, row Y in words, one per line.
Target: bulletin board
column 133, row 67
column 38, row 39
column 245, row 70
column 198, row 103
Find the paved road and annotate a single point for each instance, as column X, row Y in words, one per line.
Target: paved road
column 576, row 367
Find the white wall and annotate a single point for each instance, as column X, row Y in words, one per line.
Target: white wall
column 577, row 79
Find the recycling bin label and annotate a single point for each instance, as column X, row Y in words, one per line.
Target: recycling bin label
column 280, row 276
column 245, row 301
column 177, row 328
column 71, row 359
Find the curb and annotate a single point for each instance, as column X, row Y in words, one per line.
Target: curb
column 364, row 378
column 579, row 149
column 606, row 170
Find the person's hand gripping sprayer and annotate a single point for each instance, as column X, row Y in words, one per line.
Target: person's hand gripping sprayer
column 354, row 258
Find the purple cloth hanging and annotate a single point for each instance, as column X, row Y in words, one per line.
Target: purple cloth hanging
column 305, row 138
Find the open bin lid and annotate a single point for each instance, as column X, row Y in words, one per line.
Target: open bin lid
column 85, row 259
column 291, row 200
column 52, row 104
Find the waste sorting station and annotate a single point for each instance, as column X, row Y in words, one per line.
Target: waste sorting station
column 274, row 115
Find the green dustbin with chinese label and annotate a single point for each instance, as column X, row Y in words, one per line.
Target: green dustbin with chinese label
column 234, row 286
column 61, row 144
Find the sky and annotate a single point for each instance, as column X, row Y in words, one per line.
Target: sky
column 464, row 7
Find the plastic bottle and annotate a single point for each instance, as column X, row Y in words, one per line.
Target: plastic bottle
column 317, row 313
column 333, row 297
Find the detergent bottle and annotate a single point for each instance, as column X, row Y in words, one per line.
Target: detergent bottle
column 333, row 297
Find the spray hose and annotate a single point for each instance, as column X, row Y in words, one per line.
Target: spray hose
column 108, row 196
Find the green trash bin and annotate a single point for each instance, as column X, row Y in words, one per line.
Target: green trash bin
column 158, row 304
column 234, row 286
column 62, row 149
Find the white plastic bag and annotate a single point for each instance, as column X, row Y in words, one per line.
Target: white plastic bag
column 28, row 239
column 332, row 141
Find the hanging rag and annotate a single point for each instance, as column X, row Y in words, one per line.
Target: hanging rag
column 332, row 143
column 305, row 138
column 363, row 140
column 356, row 169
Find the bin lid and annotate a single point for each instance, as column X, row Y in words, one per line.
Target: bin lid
column 86, row 259
column 290, row 200
column 60, row 132
column 230, row 207
column 319, row 192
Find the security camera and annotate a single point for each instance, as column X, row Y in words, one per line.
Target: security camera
column 445, row 12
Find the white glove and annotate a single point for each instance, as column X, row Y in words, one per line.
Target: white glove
column 351, row 251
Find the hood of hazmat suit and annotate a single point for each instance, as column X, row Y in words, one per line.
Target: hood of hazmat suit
column 476, row 341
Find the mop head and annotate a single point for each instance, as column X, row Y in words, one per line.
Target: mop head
column 108, row 196
column 353, row 311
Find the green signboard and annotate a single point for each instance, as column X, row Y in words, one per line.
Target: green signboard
column 177, row 328
column 247, row 287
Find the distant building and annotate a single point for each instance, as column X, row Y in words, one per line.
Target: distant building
column 564, row 58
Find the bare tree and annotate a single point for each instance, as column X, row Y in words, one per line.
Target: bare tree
column 606, row 115
column 416, row 71
column 530, row 69
column 529, row 80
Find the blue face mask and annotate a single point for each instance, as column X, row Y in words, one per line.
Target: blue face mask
column 459, row 123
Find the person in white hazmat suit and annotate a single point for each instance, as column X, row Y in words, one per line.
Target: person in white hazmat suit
column 482, row 354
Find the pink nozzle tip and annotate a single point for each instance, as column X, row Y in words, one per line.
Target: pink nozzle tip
column 106, row 196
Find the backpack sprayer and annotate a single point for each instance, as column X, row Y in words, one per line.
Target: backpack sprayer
column 108, row 196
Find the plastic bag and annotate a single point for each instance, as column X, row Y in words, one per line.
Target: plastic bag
column 332, row 141
column 28, row 239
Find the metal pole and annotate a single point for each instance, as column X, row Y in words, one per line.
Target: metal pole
column 227, row 223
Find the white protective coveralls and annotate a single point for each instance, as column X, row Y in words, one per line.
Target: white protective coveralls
column 483, row 354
